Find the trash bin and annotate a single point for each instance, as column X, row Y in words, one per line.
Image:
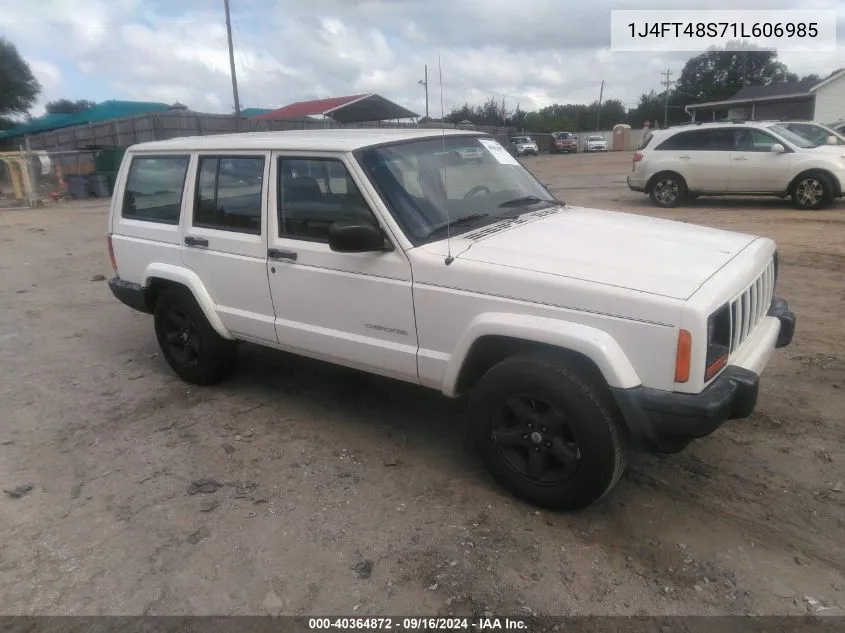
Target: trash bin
column 98, row 185
column 77, row 185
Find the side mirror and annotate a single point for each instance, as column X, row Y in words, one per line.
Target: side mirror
column 350, row 236
column 832, row 140
column 777, row 148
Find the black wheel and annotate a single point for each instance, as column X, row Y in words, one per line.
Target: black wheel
column 546, row 433
column 812, row 191
column 190, row 345
column 668, row 190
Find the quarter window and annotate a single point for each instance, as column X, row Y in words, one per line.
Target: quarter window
column 314, row 193
column 154, row 189
column 228, row 194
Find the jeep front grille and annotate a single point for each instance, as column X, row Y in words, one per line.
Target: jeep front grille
column 752, row 304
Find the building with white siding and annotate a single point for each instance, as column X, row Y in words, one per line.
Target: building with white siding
column 822, row 101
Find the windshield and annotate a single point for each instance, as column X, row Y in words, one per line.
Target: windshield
column 792, row 137
column 521, row 139
column 596, row 138
column 429, row 183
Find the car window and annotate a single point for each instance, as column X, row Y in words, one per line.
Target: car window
column 154, row 188
column 753, row 141
column 313, row 194
column 815, row 134
column 427, row 185
column 699, row 140
column 228, row 195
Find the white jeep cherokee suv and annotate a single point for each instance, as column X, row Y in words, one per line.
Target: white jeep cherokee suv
column 740, row 158
column 573, row 330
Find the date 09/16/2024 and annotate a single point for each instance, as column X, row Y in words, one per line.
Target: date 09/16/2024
column 418, row 624
column 724, row 29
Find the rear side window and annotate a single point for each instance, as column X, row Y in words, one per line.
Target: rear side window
column 154, row 188
column 228, row 195
column 700, row 140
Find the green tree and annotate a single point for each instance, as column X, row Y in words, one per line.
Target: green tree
column 718, row 75
column 67, row 106
column 18, row 86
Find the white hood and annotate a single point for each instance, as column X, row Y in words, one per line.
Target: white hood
column 652, row 255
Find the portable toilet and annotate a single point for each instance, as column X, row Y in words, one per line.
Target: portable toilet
column 621, row 137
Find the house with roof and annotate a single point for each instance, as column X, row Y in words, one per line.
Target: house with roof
column 361, row 108
column 809, row 100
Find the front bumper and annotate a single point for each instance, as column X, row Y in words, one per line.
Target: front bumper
column 666, row 422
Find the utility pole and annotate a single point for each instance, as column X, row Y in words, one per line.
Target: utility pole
column 666, row 82
column 598, row 110
column 424, row 83
column 232, row 63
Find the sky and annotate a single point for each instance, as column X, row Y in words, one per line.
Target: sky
column 531, row 53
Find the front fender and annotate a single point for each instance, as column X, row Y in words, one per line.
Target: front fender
column 595, row 344
column 190, row 280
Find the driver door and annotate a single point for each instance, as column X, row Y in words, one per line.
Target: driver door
column 353, row 309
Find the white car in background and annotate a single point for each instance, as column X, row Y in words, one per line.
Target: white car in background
column 595, row 144
column 816, row 133
column 522, row 145
column 740, row 158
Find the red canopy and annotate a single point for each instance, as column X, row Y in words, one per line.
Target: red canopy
column 351, row 109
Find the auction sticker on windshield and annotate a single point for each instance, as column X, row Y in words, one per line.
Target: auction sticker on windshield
column 499, row 153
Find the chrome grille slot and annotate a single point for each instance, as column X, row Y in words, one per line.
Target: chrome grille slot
column 751, row 306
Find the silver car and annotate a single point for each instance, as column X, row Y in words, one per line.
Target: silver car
column 522, row 145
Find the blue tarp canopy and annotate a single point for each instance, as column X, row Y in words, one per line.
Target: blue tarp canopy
column 105, row 111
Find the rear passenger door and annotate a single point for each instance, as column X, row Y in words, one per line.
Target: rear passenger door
column 701, row 156
column 225, row 239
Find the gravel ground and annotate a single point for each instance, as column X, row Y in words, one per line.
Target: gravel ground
column 300, row 488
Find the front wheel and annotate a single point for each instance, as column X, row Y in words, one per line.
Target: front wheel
column 547, row 434
column 668, row 190
column 190, row 345
column 811, row 192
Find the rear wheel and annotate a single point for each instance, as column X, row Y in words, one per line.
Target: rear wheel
column 667, row 190
column 547, row 434
column 812, row 191
column 190, row 345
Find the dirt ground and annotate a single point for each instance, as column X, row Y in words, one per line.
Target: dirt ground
column 348, row 494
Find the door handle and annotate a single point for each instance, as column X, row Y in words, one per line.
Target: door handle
column 195, row 241
column 740, row 158
column 279, row 253
column 685, row 157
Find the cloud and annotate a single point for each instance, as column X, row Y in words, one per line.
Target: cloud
column 534, row 53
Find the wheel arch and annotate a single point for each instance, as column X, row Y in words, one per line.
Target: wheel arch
column 159, row 277
column 494, row 337
column 833, row 181
column 665, row 172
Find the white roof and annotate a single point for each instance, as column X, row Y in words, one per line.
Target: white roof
column 333, row 140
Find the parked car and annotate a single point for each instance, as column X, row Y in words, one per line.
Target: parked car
column 522, row 145
column 816, row 133
column 563, row 142
column 595, row 144
column 573, row 330
column 839, row 126
column 747, row 158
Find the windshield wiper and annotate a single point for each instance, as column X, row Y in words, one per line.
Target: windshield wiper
column 525, row 201
column 459, row 220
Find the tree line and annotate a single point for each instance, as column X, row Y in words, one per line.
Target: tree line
column 715, row 75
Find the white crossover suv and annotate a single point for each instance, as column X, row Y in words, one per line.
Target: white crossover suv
column 741, row 158
column 574, row 331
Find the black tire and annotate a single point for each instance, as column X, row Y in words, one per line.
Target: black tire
column 667, row 190
column 812, row 191
column 532, row 402
column 192, row 348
